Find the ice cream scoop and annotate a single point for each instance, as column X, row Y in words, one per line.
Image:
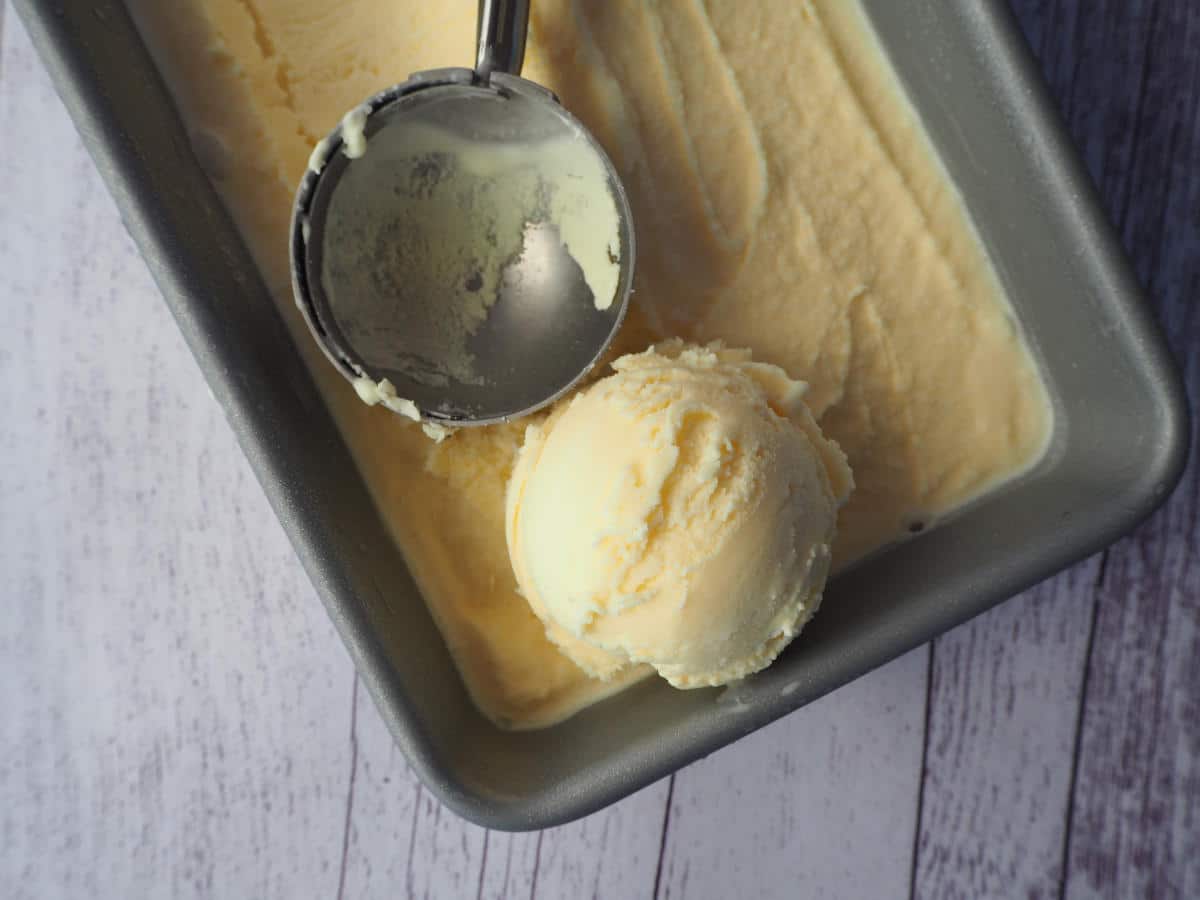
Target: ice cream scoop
column 462, row 248
column 679, row 513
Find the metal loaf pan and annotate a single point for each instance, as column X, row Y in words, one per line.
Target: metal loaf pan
column 1118, row 448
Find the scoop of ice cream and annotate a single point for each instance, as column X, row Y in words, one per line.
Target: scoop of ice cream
column 678, row 513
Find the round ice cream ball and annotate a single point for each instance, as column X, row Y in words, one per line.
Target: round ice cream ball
column 678, row 513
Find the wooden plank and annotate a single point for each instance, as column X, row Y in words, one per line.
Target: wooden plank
column 819, row 804
column 997, row 813
column 1006, row 689
column 721, row 810
column 175, row 701
column 401, row 839
column 612, row 855
column 1095, row 58
column 1004, row 698
column 1136, row 815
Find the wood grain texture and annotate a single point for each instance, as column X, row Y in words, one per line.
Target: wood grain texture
column 401, row 836
column 1136, row 814
column 819, row 804
column 1001, row 737
column 174, row 698
column 1016, row 802
column 824, row 798
column 181, row 720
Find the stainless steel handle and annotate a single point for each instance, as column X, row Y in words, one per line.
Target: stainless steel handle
column 501, row 40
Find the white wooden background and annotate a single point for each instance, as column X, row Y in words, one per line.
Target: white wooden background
column 178, row 718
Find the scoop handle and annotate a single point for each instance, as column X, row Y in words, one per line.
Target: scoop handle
column 501, row 40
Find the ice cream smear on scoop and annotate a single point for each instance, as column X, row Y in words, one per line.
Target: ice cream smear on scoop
column 678, row 513
column 436, row 222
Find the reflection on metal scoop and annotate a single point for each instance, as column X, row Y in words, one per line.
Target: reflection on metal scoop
column 462, row 248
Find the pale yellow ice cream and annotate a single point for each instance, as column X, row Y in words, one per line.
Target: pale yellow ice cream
column 679, row 513
column 786, row 200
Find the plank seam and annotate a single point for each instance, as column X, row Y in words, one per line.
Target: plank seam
column 916, row 850
column 1122, row 214
column 483, row 865
column 418, row 797
column 350, row 787
column 662, row 839
column 1080, row 712
column 537, row 863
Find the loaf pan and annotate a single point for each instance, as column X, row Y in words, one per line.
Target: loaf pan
column 1118, row 446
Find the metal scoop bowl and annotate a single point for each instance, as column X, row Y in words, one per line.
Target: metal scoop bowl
column 462, row 248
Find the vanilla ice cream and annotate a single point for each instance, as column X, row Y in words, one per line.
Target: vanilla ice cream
column 679, row 513
column 797, row 210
